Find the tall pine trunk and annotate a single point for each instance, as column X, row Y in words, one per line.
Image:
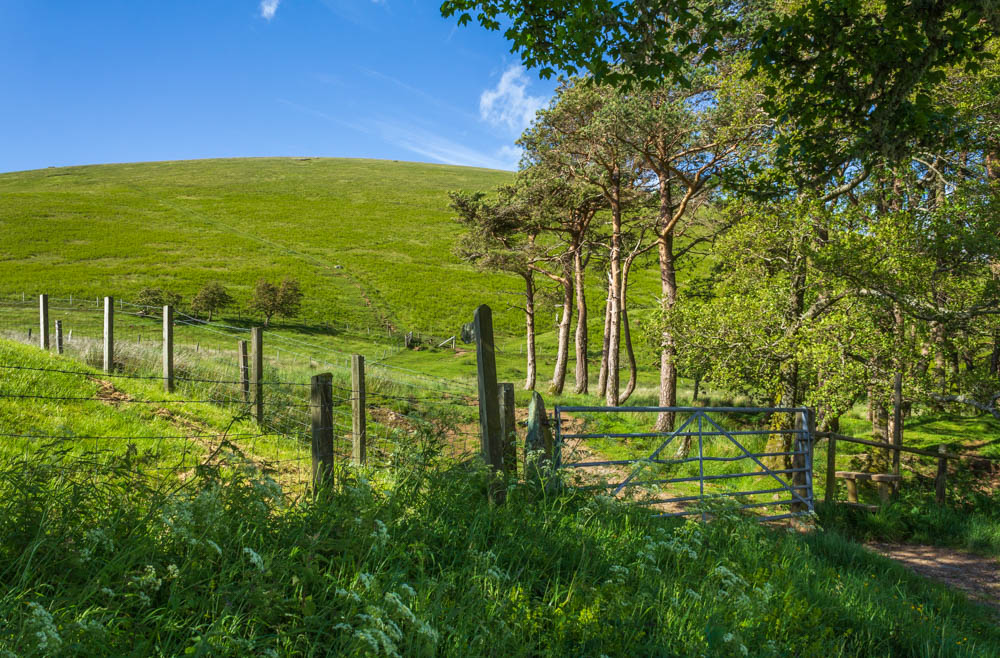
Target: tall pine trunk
column 633, row 371
column 668, row 349
column 602, row 377
column 615, row 296
column 581, row 323
column 565, row 322
column 529, row 320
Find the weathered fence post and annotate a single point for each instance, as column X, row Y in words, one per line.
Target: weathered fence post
column 489, row 404
column 244, row 364
column 43, row 321
column 831, row 470
column 942, row 474
column 359, row 428
column 321, row 403
column 508, row 427
column 257, row 372
column 168, row 348
column 59, row 341
column 109, row 334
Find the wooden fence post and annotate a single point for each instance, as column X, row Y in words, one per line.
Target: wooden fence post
column 257, row 372
column 942, row 474
column 244, row 364
column 109, row 334
column 59, row 340
column 831, row 470
column 168, row 348
column 359, row 427
column 489, row 404
column 508, row 427
column 321, row 403
column 43, row 321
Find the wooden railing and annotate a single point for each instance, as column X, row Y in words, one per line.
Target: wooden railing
column 941, row 454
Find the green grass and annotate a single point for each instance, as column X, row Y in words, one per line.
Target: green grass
column 370, row 241
column 424, row 565
column 101, row 554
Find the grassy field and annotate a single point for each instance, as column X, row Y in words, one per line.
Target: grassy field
column 370, row 241
column 107, row 549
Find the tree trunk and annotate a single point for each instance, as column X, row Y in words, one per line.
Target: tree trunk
column 627, row 335
column 995, row 355
column 615, row 295
column 581, row 324
column 896, row 423
column 788, row 372
column 529, row 319
column 565, row 322
column 668, row 349
column 602, row 377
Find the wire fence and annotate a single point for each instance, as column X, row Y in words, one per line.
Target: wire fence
column 403, row 407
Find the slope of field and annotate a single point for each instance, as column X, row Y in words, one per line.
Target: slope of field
column 370, row 241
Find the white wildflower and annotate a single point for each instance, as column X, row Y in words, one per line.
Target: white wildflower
column 255, row 559
column 46, row 634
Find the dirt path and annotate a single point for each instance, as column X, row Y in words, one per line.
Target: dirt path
column 977, row 576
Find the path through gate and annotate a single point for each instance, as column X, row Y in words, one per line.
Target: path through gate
column 715, row 452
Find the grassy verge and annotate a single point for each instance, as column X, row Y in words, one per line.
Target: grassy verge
column 424, row 565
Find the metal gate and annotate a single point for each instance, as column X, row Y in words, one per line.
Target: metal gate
column 718, row 449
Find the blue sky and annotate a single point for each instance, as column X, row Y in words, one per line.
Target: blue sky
column 138, row 80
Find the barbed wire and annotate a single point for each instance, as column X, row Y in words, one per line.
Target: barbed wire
column 146, row 377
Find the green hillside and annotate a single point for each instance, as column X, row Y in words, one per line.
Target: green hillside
column 370, row 241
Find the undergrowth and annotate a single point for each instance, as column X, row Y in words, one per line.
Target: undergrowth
column 107, row 561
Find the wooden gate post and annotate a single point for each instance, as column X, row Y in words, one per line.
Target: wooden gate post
column 244, row 367
column 257, row 373
column 942, row 474
column 359, row 429
column 831, row 471
column 168, row 348
column 321, row 403
column 43, row 321
column 508, row 428
column 489, row 403
column 109, row 334
column 59, row 340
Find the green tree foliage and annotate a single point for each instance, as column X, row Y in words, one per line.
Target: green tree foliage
column 283, row 300
column 210, row 298
column 853, row 79
column 157, row 297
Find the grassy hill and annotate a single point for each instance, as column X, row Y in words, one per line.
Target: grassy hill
column 370, row 241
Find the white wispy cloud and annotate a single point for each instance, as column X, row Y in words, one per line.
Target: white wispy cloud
column 268, row 7
column 508, row 104
column 442, row 149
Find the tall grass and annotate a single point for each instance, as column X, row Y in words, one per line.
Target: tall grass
column 112, row 563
